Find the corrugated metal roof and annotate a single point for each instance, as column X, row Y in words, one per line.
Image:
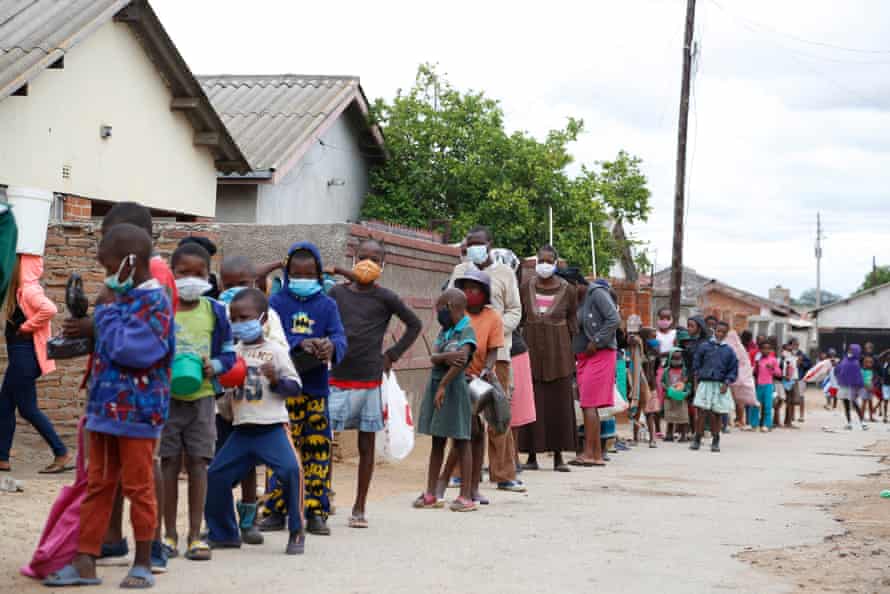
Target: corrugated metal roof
column 272, row 117
column 36, row 33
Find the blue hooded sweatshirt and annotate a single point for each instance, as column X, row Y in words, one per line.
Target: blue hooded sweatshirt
column 313, row 317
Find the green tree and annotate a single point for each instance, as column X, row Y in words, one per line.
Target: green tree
column 879, row 276
column 808, row 297
column 452, row 160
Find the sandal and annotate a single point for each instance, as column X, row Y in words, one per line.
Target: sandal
column 169, row 546
column 138, row 578
column 358, row 521
column 69, row 576
column 428, row 501
column 463, row 505
column 198, row 551
column 585, row 463
column 58, row 467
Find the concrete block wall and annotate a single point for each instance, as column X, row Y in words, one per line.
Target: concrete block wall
column 727, row 309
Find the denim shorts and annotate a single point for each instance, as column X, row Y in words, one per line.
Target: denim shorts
column 356, row 409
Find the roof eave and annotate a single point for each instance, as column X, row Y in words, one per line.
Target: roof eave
column 144, row 23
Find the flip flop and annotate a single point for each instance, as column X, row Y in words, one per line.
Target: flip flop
column 198, row 551
column 56, row 468
column 358, row 522
column 138, row 578
column 585, row 463
column 69, row 576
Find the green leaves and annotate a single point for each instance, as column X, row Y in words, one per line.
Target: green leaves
column 453, row 160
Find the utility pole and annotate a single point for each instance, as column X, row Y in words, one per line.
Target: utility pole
column 818, row 273
column 680, row 181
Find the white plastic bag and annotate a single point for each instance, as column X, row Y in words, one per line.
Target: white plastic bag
column 620, row 405
column 396, row 440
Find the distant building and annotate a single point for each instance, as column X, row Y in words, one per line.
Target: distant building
column 860, row 318
column 310, row 144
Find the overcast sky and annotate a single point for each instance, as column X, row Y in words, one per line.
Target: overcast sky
column 791, row 112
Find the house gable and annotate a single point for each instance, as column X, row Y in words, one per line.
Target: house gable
column 151, row 155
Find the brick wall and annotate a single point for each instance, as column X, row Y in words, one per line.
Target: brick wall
column 633, row 300
column 75, row 208
column 416, row 269
column 727, row 308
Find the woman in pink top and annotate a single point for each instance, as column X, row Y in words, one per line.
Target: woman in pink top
column 765, row 372
column 28, row 313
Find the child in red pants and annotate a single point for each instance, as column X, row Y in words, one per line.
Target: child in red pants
column 129, row 396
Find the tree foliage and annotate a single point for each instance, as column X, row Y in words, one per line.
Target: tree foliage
column 452, row 160
column 879, row 276
column 808, row 298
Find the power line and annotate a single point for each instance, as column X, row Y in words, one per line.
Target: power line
column 801, row 39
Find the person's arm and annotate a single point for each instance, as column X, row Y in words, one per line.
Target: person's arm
column 450, row 375
column 135, row 340
column 274, row 330
column 344, row 272
column 512, row 314
column 495, row 342
column 335, row 336
column 731, row 371
column 224, row 358
column 264, row 270
column 283, row 377
column 611, row 320
column 413, row 327
column 572, row 311
column 44, row 309
column 697, row 359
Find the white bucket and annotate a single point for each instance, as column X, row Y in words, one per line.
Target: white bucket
column 31, row 207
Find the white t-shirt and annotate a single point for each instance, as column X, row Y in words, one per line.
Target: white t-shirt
column 666, row 340
column 256, row 403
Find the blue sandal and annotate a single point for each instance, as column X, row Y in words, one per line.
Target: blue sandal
column 138, row 578
column 69, row 576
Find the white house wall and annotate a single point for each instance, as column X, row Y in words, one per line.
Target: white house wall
column 866, row 311
column 150, row 157
column 309, row 193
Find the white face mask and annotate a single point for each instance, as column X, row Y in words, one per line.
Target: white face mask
column 190, row 288
column 545, row 269
column 477, row 254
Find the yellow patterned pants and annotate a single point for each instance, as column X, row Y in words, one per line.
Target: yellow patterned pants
column 310, row 429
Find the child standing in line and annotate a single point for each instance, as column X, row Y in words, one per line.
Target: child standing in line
column 851, row 386
column 202, row 329
column 869, row 381
column 260, row 433
column 129, row 395
column 316, row 338
column 766, row 370
column 829, row 384
column 677, row 386
column 790, row 384
column 446, row 411
column 489, row 333
column 716, row 367
column 238, row 274
column 366, row 309
column 883, row 371
column 665, row 333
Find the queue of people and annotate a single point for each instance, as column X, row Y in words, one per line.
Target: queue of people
column 216, row 377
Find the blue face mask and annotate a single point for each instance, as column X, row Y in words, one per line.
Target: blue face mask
column 249, row 331
column 229, row 294
column 114, row 282
column 304, row 287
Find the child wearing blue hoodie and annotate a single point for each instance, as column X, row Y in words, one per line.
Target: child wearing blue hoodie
column 316, row 337
column 129, row 397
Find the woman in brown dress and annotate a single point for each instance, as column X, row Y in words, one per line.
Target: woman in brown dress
column 549, row 321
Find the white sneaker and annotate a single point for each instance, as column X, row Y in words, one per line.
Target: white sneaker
column 864, row 427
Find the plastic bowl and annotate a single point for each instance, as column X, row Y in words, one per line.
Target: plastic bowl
column 234, row 378
column 186, row 374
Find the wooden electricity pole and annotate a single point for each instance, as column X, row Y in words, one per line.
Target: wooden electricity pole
column 680, row 183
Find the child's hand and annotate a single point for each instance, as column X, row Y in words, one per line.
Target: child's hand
column 325, row 349
column 724, row 388
column 456, row 358
column 268, row 370
column 208, row 368
column 440, row 398
column 387, row 363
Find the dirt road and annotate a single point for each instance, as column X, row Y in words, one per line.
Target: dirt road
column 659, row 520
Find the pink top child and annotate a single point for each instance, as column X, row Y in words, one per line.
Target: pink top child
column 767, row 369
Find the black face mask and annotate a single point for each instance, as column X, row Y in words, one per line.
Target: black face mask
column 444, row 317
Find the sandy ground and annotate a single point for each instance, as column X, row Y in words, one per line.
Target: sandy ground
column 793, row 511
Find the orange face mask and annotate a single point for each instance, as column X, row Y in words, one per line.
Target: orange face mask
column 367, row 271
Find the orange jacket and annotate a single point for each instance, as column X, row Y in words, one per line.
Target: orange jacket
column 37, row 307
